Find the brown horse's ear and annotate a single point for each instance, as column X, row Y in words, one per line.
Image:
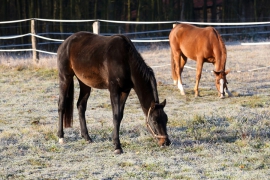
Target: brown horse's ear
column 227, row 72
column 164, row 103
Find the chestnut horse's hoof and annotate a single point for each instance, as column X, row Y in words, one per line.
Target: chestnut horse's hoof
column 222, row 97
column 118, row 151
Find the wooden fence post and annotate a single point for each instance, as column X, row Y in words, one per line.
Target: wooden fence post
column 34, row 42
column 96, row 27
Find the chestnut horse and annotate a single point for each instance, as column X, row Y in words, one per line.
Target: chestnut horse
column 201, row 45
column 111, row 63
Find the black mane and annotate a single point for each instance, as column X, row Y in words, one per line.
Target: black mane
column 139, row 62
column 146, row 71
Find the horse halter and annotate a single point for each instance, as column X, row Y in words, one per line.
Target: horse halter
column 150, row 128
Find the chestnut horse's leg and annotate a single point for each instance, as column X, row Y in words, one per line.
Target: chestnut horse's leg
column 199, row 66
column 174, row 59
column 81, row 105
column 178, row 63
column 118, row 103
column 183, row 61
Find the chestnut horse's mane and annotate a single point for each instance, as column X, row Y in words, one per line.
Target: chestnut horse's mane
column 224, row 51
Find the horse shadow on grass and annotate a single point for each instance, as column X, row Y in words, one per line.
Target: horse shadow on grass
column 189, row 138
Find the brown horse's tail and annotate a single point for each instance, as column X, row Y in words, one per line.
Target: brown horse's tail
column 174, row 76
column 68, row 106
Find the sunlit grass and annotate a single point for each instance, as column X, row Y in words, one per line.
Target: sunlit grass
column 211, row 138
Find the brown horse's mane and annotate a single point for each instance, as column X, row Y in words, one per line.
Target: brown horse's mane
column 138, row 61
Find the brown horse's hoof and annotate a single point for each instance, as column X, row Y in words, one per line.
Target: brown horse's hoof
column 87, row 138
column 89, row 141
column 118, row 151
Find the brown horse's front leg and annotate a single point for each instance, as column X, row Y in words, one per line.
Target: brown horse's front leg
column 117, row 120
column 115, row 101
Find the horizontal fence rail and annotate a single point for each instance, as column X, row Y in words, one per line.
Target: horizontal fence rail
column 142, row 22
column 134, row 36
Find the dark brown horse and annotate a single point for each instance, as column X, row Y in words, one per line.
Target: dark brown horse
column 201, row 45
column 110, row 63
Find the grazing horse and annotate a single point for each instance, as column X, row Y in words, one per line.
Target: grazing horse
column 111, row 63
column 201, row 45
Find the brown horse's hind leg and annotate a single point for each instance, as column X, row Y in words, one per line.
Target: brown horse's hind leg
column 81, row 106
column 65, row 104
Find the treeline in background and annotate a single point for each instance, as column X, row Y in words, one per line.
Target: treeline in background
column 138, row 10
column 125, row 10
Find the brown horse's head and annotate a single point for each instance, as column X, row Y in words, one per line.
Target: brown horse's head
column 221, row 82
column 156, row 122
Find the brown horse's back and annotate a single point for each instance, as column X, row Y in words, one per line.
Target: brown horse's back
column 88, row 56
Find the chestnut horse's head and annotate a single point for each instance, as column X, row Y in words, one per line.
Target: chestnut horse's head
column 221, row 83
column 156, row 122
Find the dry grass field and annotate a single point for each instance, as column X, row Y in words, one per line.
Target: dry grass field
column 211, row 138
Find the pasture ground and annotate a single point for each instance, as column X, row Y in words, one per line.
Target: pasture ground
column 211, row 138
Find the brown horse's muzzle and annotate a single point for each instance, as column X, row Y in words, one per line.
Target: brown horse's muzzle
column 163, row 140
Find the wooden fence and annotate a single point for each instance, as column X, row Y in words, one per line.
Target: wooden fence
column 96, row 29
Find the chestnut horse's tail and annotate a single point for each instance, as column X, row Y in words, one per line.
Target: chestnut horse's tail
column 174, row 76
column 68, row 106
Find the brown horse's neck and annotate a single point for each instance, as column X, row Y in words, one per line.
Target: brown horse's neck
column 146, row 96
column 146, row 92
